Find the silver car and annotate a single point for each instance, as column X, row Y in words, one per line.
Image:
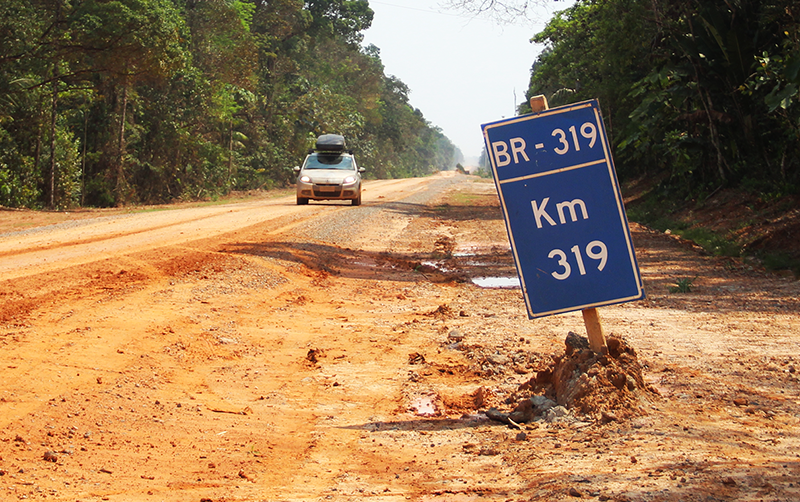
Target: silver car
column 329, row 176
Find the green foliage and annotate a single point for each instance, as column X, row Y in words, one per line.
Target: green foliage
column 159, row 100
column 714, row 243
column 683, row 285
column 19, row 181
column 780, row 261
column 701, row 94
column 67, row 181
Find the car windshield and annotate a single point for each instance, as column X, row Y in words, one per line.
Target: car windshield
column 329, row 161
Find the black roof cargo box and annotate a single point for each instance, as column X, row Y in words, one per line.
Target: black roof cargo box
column 330, row 143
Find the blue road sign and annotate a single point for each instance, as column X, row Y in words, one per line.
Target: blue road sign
column 563, row 209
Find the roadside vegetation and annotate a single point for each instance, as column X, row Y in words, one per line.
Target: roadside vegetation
column 699, row 95
column 116, row 102
column 702, row 106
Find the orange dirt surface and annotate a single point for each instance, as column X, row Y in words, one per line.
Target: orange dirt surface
column 261, row 351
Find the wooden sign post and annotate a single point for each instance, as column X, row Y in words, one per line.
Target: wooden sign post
column 591, row 319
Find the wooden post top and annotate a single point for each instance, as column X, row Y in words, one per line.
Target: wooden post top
column 539, row 103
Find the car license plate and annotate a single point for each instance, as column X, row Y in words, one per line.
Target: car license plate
column 327, row 188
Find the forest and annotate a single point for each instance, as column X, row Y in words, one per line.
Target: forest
column 117, row 102
column 697, row 95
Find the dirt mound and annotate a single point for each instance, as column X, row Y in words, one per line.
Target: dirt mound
column 602, row 387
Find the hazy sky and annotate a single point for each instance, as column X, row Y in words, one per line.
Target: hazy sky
column 462, row 71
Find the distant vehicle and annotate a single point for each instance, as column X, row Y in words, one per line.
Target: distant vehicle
column 329, row 172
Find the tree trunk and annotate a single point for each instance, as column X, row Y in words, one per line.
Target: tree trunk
column 709, row 107
column 51, row 203
column 121, row 146
column 37, row 154
column 83, row 156
column 230, row 155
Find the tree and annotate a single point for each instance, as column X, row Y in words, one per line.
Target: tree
column 106, row 102
column 127, row 41
column 342, row 19
column 705, row 103
column 704, row 93
column 594, row 49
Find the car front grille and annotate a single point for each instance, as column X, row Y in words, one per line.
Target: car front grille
column 327, row 190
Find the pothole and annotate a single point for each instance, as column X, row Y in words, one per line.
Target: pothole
column 496, row 282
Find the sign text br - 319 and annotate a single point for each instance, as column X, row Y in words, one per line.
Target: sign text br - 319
column 563, row 209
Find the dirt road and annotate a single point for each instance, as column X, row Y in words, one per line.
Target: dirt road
column 264, row 351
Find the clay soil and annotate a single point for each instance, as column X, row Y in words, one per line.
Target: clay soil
column 261, row 351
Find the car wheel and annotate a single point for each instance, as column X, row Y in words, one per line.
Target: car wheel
column 357, row 200
column 302, row 201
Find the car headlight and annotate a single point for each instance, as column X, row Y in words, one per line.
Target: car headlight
column 305, row 179
column 349, row 180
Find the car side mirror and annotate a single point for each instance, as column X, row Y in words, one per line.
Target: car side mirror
column 296, row 169
column 361, row 169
